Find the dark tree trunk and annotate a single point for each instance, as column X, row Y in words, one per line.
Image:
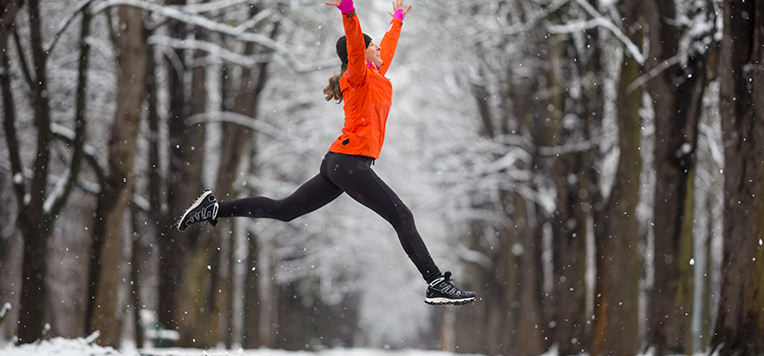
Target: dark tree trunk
column 569, row 222
column 677, row 95
column 251, row 329
column 37, row 214
column 740, row 320
column 171, row 248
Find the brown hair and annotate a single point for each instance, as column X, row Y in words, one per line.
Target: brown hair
column 333, row 91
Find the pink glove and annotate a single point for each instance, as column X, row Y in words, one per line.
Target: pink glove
column 398, row 14
column 346, row 7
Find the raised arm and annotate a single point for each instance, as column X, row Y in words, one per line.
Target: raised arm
column 390, row 39
column 355, row 44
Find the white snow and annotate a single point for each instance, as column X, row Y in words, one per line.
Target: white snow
column 84, row 346
column 59, row 346
column 7, row 306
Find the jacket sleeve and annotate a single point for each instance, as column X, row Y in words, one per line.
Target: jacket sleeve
column 356, row 49
column 389, row 43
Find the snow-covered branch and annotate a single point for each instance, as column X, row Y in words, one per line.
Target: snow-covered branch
column 238, row 32
column 242, row 120
column 644, row 78
column 598, row 20
column 213, row 49
column 580, row 26
column 4, row 312
column 90, row 153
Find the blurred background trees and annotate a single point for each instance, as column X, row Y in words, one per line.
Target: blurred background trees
column 591, row 168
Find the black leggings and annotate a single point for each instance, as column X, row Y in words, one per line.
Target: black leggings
column 353, row 175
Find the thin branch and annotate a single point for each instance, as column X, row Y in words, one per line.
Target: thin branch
column 580, row 26
column 238, row 119
column 9, row 125
column 214, row 6
column 22, row 60
column 66, row 22
column 58, row 199
column 644, row 78
column 90, row 153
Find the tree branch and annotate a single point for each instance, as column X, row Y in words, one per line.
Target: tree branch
column 239, row 32
column 598, row 20
column 22, row 60
column 9, row 125
column 58, row 199
column 89, row 152
column 83, row 4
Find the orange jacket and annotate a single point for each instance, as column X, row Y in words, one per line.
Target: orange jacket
column 366, row 92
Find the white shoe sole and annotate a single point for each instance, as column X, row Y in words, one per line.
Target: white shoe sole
column 444, row 301
column 196, row 203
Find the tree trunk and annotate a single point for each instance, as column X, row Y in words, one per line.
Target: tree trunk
column 740, row 319
column 32, row 221
column 677, row 95
column 569, row 221
column 180, row 188
column 619, row 258
column 115, row 191
column 195, row 325
column 251, row 329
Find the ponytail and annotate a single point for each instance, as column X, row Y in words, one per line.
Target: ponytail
column 333, row 91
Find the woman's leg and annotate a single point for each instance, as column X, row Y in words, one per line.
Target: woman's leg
column 315, row 193
column 354, row 175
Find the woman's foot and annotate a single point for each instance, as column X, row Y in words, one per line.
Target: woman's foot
column 441, row 291
column 205, row 208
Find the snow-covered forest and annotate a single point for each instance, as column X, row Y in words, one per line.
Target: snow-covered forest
column 593, row 169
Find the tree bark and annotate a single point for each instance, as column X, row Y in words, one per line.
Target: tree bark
column 251, row 328
column 617, row 318
column 569, row 221
column 109, row 224
column 172, row 250
column 677, row 95
column 740, row 319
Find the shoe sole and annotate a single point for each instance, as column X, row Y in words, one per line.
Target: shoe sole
column 196, row 203
column 446, row 301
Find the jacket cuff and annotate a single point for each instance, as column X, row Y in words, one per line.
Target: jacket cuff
column 346, row 7
column 398, row 14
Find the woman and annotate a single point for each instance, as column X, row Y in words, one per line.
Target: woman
column 347, row 166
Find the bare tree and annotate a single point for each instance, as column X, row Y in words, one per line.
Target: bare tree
column 39, row 206
column 105, row 311
column 740, row 320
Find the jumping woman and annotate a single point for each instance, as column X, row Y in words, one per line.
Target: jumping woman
column 346, row 168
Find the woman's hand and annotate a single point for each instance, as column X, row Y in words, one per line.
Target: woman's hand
column 398, row 10
column 345, row 6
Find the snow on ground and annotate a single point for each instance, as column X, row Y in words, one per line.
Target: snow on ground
column 82, row 347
